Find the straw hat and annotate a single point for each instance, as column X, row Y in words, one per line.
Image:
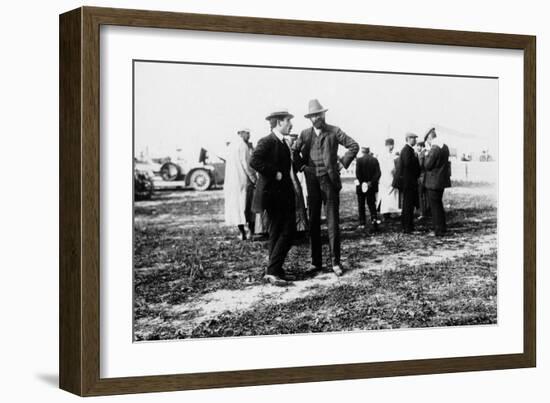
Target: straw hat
column 279, row 113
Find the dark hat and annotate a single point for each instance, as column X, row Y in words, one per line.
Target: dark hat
column 314, row 108
column 366, row 150
column 421, row 144
column 389, row 142
column 432, row 130
column 279, row 113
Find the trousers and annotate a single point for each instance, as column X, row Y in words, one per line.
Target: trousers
column 410, row 198
column 435, row 197
column 321, row 190
column 281, row 230
column 370, row 198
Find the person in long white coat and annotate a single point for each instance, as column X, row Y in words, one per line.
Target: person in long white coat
column 240, row 180
column 387, row 194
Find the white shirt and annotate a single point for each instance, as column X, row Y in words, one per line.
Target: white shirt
column 317, row 131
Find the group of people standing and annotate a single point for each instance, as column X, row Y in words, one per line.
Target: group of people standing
column 414, row 178
column 262, row 186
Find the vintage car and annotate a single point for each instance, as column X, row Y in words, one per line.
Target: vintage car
column 178, row 172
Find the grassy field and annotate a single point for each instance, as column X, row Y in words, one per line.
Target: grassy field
column 194, row 278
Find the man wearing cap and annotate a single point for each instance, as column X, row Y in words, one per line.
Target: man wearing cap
column 240, row 179
column 438, row 177
column 316, row 154
column 275, row 193
column 367, row 172
column 406, row 179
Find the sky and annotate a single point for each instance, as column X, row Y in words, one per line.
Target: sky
column 190, row 106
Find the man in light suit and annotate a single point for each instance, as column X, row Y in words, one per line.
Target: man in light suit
column 275, row 193
column 316, row 154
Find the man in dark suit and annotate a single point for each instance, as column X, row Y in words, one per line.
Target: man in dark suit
column 275, row 193
column 423, row 203
column 367, row 172
column 406, row 179
column 438, row 177
column 316, row 154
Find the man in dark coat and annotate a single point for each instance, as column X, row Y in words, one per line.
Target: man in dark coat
column 438, row 177
column 316, row 154
column 367, row 172
column 423, row 203
column 406, row 179
column 275, row 193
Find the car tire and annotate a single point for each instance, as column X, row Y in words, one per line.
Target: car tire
column 200, row 180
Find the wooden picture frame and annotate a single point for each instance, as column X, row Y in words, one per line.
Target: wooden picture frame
column 79, row 347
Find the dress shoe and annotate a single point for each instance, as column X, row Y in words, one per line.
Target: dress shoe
column 275, row 280
column 337, row 269
column 313, row 270
column 289, row 278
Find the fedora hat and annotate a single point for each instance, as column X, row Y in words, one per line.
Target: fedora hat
column 314, row 107
column 279, row 113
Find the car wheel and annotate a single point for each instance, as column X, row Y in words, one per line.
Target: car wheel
column 200, row 180
column 170, row 171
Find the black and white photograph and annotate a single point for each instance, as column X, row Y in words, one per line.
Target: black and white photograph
column 274, row 200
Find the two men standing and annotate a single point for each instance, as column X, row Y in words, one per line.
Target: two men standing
column 315, row 152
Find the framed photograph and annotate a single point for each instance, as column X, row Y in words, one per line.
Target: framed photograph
column 248, row 201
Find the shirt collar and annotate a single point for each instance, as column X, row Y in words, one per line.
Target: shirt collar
column 278, row 134
column 317, row 131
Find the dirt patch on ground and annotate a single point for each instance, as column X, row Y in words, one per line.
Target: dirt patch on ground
column 191, row 270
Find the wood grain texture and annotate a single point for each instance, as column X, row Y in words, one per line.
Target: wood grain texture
column 530, row 202
column 80, row 200
column 70, row 274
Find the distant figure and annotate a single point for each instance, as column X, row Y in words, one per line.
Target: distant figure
column 423, row 203
column 240, row 180
column 438, row 177
column 406, row 179
column 367, row 172
column 275, row 193
column 316, row 154
column 387, row 194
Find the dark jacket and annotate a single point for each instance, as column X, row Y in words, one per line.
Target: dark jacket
column 407, row 169
column 331, row 137
column 438, row 168
column 269, row 157
column 421, row 159
column 367, row 169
